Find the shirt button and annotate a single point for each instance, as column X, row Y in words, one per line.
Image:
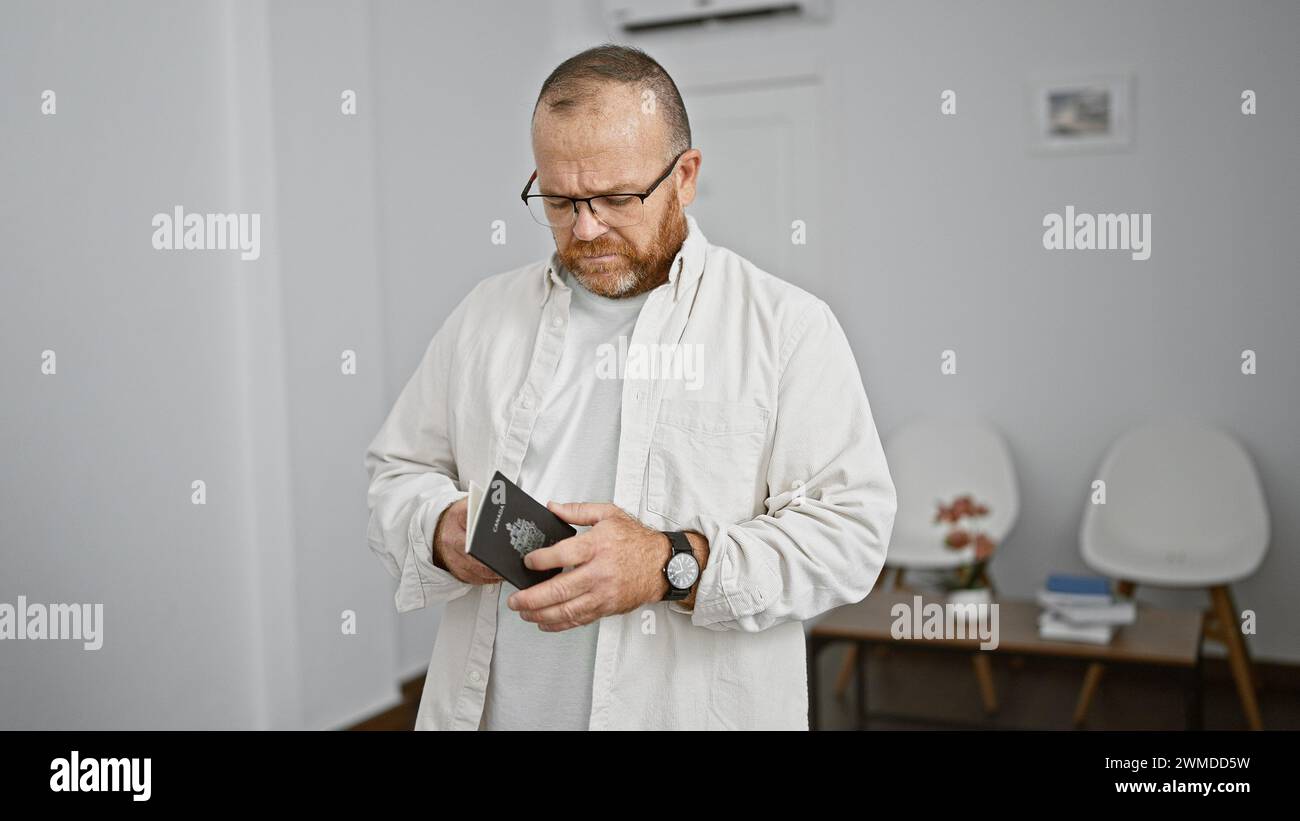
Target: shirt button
column 557, row 322
column 527, row 403
column 475, row 676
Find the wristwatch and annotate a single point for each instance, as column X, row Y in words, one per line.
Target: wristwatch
column 682, row 570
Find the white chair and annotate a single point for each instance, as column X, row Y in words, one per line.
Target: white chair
column 937, row 460
column 933, row 460
column 1183, row 508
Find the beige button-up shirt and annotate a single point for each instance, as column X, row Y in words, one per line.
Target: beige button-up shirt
column 766, row 445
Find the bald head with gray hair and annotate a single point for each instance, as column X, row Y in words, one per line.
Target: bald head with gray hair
column 575, row 86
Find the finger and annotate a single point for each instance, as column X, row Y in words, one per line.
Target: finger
column 486, row 577
column 557, row 628
column 479, row 572
column 558, row 588
column 583, row 609
column 471, row 575
column 569, row 552
column 456, row 515
column 582, row 513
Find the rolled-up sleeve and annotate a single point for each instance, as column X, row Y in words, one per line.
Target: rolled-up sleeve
column 831, row 502
column 413, row 478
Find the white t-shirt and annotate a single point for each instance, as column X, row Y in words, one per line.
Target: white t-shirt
column 542, row 681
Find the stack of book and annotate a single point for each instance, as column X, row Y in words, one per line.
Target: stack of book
column 1081, row 608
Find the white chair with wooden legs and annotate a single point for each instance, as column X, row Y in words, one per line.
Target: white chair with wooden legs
column 933, row 460
column 1183, row 509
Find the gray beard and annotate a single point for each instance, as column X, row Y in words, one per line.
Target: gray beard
column 619, row 286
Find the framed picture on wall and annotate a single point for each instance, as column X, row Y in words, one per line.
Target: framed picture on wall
column 1082, row 113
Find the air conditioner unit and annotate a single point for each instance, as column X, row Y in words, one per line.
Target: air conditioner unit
column 636, row 16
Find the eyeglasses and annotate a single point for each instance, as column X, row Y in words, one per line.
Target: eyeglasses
column 615, row 210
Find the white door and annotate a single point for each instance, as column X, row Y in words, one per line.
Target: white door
column 761, row 172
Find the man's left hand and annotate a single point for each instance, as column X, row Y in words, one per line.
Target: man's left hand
column 617, row 566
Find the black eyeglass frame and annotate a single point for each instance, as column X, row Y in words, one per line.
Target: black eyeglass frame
column 525, row 196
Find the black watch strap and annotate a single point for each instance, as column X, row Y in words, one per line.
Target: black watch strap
column 680, row 544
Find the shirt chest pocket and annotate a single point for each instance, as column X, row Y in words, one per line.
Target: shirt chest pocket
column 704, row 460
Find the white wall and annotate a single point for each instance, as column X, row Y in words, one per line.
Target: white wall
column 175, row 366
column 324, row 164
column 151, row 390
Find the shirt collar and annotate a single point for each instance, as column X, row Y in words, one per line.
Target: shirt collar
column 687, row 266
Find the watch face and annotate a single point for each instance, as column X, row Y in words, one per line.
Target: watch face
column 683, row 570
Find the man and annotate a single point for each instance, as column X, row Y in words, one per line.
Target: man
column 725, row 475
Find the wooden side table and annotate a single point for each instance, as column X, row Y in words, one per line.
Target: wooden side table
column 1160, row 638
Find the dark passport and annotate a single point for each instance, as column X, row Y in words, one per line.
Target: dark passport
column 506, row 524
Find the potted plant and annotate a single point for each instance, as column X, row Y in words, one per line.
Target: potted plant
column 962, row 523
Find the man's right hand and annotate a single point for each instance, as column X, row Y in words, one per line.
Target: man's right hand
column 449, row 547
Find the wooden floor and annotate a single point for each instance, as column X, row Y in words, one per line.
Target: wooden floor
column 1040, row 694
column 1035, row 694
column 401, row 717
